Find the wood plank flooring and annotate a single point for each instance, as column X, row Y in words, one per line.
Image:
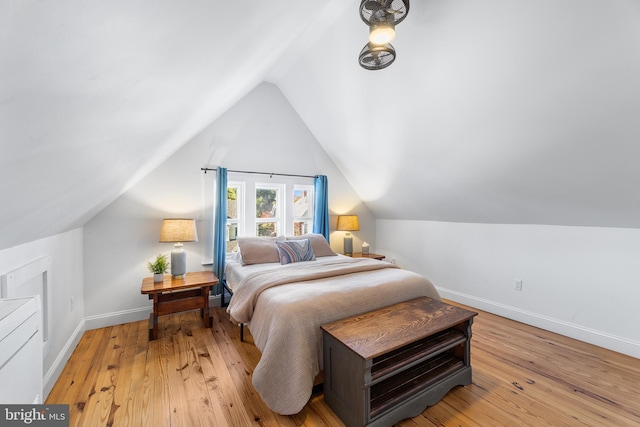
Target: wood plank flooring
column 192, row 376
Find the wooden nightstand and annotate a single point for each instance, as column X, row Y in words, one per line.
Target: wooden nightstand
column 179, row 294
column 360, row 255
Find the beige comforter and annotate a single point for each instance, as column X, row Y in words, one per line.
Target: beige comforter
column 285, row 307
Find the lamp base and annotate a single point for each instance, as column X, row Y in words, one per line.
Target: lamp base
column 348, row 245
column 178, row 261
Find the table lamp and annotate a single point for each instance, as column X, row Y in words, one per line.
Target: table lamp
column 348, row 223
column 177, row 231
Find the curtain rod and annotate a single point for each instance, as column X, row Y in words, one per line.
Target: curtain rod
column 260, row 173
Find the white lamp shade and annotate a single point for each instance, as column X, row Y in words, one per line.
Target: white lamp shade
column 348, row 223
column 178, row 230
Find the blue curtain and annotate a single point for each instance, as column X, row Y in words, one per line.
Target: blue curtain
column 321, row 212
column 220, row 228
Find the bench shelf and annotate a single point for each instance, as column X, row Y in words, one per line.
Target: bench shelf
column 389, row 364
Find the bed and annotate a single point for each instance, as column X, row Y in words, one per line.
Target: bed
column 284, row 302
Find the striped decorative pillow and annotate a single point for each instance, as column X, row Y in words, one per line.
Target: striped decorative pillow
column 295, row 251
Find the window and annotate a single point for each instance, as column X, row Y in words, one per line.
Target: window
column 282, row 206
column 268, row 211
column 302, row 209
column 235, row 214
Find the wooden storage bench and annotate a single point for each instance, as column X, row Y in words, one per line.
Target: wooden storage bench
column 390, row 364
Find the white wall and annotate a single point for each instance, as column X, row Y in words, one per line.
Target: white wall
column 66, row 279
column 582, row 282
column 262, row 133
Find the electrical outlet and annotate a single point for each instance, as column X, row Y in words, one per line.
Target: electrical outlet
column 517, row 285
column 72, row 303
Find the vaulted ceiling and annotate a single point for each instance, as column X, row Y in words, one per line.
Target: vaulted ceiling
column 495, row 111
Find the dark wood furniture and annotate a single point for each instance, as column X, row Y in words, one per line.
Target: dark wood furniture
column 176, row 294
column 390, row 364
column 361, row 255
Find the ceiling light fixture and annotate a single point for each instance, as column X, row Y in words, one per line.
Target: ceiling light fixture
column 382, row 34
column 375, row 57
column 381, row 16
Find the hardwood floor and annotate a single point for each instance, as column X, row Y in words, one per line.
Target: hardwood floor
column 192, row 376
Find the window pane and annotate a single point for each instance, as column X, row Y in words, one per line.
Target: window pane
column 232, row 236
column 266, row 202
column 234, row 214
column 301, row 203
column 232, row 232
column 301, row 227
column 232, row 203
column 266, row 229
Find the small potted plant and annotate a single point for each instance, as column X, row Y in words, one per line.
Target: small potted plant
column 159, row 267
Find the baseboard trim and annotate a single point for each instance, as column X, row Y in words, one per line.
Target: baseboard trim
column 117, row 317
column 128, row 316
column 61, row 360
column 572, row 330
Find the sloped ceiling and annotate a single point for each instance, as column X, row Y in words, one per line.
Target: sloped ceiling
column 95, row 94
column 495, row 111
